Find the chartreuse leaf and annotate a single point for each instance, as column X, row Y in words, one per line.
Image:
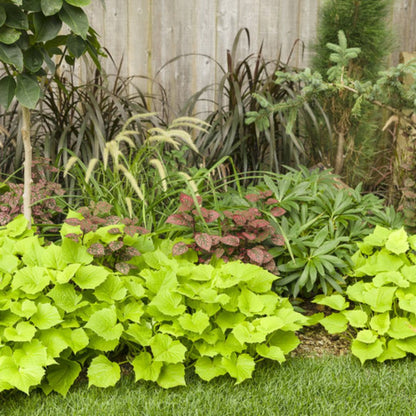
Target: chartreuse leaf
column 25, row 308
column 246, row 332
column 407, row 302
column 89, row 277
column 378, row 237
column 62, row 375
column 78, row 340
column 31, row 352
column 226, row 320
column 397, row 242
column 394, row 277
column 157, row 280
column 356, row 291
column 104, row 324
column 335, row 323
column 272, row 352
column 227, row 347
column 250, row 303
column 176, row 331
column 131, row 311
column 145, row 368
column 196, row 322
column 168, row 302
column 68, row 273
column 209, row 295
column 52, row 258
column 24, row 331
column 409, row 273
column 111, row 290
column 407, row 344
column 381, row 261
column 379, row 298
column 55, row 340
column 46, row 316
column 172, row 375
column 240, row 367
column 356, row 318
column 367, row 336
column 167, row 350
column 367, row 351
column 401, row 328
column 102, row 372
column 73, row 252
column 141, row 334
column 208, row 368
column 66, row 297
column 20, row 377
column 335, row 301
column 268, row 324
column 285, row 340
column 380, row 323
column 31, row 280
column 100, row 344
column 392, row 352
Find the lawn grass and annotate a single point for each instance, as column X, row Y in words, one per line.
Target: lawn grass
column 301, row 386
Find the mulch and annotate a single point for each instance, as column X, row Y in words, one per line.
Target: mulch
column 315, row 340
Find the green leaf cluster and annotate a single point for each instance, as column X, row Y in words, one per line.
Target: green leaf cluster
column 381, row 305
column 30, row 36
column 323, row 221
column 62, row 310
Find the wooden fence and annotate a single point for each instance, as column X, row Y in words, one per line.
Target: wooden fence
column 148, row 34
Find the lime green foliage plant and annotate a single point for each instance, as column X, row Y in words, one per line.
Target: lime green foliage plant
column 63, row 309
column 323, row 221
column 380, row 307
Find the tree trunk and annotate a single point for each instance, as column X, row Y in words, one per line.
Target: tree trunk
column 27, row 192
column 339, row 158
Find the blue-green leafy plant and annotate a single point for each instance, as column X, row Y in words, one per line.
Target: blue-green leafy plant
column 63, row 309
column 380, row 307
column 324, row 219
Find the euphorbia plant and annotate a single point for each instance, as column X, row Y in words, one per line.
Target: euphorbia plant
column 29, row 40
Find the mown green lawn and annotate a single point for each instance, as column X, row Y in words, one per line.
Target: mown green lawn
column 302, row 386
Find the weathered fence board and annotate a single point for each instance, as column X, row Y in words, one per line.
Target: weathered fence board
column 147, row 34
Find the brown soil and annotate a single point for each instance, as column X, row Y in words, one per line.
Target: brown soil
column 315, row 340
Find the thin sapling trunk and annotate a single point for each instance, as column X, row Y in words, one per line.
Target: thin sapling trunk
column 27, row 192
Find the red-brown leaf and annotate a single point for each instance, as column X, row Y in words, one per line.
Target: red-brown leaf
column 277, row 211
column 278, row 240
column 204, row 241
column 252, row 197
column 178, row 219
column 256, row 255
column 179, row 249
column 230, row 240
